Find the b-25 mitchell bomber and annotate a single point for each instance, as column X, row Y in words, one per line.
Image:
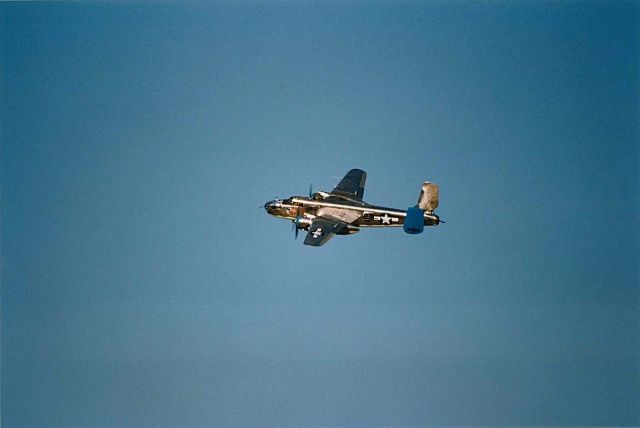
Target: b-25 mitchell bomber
column 343, row 212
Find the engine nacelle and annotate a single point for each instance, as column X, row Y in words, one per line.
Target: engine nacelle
column 302, row 223
column 352, row 229
column 414, row 221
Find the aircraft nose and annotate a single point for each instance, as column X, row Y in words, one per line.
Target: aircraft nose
column 267, row 206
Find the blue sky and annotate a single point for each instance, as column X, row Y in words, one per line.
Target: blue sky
column 142, row 285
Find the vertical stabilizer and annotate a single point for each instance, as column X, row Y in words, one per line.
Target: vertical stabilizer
column 429, row 195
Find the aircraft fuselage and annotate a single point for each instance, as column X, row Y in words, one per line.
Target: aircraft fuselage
column 343, row 212
column 356, row 213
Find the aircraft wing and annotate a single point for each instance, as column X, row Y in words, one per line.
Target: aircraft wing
column 321, row 230
column 352, row 185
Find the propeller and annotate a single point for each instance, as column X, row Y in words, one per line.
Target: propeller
column 296, row 223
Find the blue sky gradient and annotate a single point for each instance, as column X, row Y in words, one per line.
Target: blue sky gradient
column 143, row 286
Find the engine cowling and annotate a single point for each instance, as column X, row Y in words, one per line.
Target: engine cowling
column 302, row 223
column 414, row 221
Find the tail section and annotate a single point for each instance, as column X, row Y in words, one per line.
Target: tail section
column 429, row 197
column 415, row 220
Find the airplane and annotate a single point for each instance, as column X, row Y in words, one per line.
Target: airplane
column 343, row 212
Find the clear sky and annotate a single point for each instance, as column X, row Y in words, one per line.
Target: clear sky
column 143, row 285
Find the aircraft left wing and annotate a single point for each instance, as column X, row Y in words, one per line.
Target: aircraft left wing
column 352, row 185
column 323, row 229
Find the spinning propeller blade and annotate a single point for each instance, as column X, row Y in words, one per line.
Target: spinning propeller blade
column 296, row 223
